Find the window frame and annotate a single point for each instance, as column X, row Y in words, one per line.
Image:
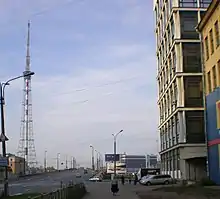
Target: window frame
column 212, row 46
column 217, row 34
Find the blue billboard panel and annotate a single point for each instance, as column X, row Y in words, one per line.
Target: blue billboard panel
column 110, row 157
column 3, row 161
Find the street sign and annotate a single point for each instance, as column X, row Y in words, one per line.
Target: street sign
column 3, row 138
column 3, row 161
column 110, row 157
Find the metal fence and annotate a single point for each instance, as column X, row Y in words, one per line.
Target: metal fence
column 72, row 191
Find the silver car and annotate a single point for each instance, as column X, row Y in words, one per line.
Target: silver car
column 157, row 179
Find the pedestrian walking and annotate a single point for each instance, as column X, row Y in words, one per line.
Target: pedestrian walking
column 135, row 179
column 114, row 187
column 122, row 180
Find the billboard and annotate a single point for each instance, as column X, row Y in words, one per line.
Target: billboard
column 120, row 167
column 110, row 157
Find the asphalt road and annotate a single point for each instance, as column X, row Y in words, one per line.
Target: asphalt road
column 45, row 183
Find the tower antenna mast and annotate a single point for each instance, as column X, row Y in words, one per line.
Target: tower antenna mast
column 26, row 148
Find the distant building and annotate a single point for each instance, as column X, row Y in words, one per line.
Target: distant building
column 133, row 162
column 17, row 164
column 209, row 27
column 152, row 161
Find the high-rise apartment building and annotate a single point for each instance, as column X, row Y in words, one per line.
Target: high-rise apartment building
column 180, row 97
column 210, row 34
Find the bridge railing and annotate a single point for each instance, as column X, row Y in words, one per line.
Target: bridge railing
column 76, row 191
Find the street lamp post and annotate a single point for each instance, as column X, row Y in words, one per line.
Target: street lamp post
column 3, row 136
column 58, row 161
column 93, row 159
column 45, row 160
column 115, row 137
column 97, row 159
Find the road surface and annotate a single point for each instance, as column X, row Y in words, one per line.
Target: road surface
column 45, row 183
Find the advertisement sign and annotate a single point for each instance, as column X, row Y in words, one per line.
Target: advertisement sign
column 120, row 168
column 110, row 157
column 3, row 161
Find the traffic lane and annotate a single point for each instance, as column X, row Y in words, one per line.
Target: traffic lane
column 45, row 185
column 40, row 177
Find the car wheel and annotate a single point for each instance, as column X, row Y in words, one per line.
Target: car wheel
column 166, row 182
column 148, row 183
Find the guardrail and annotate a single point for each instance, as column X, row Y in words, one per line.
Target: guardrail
column 71, row 191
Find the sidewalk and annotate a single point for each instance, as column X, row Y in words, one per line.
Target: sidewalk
column 102, row 190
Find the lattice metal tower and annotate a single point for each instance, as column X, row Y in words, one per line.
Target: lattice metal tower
column 26, row 148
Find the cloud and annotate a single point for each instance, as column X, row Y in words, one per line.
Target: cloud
column 89, row 83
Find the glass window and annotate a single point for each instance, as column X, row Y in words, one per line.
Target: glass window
column 205, row 3
column 218, row 69
column 191, row 58
column 206, row 48
column 193, row 91
column 174, row 59
column 214, row 77
column 188, row 3
column 189, row 21
column 195, row 127
column 172, row 29
column 211, row 40
column 217, row 35
column 209, row 83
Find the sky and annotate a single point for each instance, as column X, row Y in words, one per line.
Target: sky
column 95, row 74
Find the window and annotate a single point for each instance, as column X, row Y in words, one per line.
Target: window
column 174, row 60
column 205, row 3
column 195, row 127
column 193, row 91
column 191, row 58
column 214, row 77
column 188, row 3
column 172, row 30
column 211, row 40
column 217, row 35
column 209, row 83
column 189, row 21
column 206, row 48
column 218, row 69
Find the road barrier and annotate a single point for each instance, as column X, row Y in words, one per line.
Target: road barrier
column 72, row 191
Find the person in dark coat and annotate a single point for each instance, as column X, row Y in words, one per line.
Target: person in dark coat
column 130, row 178
column 114, row 187
column 122, row 180
column 135, row 179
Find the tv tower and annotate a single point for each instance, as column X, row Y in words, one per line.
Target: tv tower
column 26, row 148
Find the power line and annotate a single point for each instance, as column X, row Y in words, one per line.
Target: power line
column 100, row 85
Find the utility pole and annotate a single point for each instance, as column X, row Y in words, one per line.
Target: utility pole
column 3, row 137
column 115, row 137
column 45, row 161
column 58, row 161
column 93, row 159
column 66, row 162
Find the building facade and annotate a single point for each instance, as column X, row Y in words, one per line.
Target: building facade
column 152, row 161
column 180, row 89
column 210, row 35
column 17, row 164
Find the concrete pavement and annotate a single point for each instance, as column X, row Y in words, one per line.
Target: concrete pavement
column 103, row 190
column 44, row 183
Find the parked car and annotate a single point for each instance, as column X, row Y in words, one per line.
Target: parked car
column 78, row 175
column 95, row 179
column 143, row 179
column 157, row 179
